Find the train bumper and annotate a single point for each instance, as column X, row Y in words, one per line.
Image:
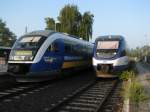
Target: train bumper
column 22, row 73
column 112, row 70
column 34, row 77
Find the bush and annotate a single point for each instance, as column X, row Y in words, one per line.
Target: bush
column 137, row 92
column 133, row 89
column 126, row 75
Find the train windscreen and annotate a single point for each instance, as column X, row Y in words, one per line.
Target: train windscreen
column 108, row 45
column 107, row 49
column 29, row 42
column 26, row 47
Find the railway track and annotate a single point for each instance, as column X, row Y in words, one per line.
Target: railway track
column 18, row 90
column 89, row 98
column 114, row 102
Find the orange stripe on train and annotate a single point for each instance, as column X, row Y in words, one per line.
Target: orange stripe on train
column 75, row 64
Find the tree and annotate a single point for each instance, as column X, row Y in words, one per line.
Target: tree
column 7, row 38
column 70, row 18
column 50, row 23
column 71, row 21
column 86, row 26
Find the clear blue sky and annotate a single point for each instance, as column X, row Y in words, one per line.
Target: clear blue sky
column 130, row 18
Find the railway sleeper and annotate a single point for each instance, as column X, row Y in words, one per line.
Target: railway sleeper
column 83, row 104
column 78, row 109
column 90, row 98
column 10, row 91
column 92, row 95
column 87, row 101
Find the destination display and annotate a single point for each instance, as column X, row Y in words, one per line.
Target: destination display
column 23, row 53
column 108, row 45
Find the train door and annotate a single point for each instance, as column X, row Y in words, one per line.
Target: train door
column 55, row 55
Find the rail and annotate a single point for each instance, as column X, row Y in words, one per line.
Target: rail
column 89, row 98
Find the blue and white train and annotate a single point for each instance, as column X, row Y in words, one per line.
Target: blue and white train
column 110, row 55
column 47, row 54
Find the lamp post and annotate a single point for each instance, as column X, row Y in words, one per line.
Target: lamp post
column 55, row 26
column 26, row 29
column 56, row 22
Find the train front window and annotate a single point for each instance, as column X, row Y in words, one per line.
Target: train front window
column 26, row 48
column 107, row 44
column 107, row 49
column 33, row 42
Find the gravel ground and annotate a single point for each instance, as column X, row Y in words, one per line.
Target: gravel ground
column 40, row 101
column 144, row 72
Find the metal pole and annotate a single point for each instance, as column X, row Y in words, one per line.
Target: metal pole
column 55, row 26
column 26, row 29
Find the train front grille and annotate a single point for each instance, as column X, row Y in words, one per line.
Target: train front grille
column 19, row 68
column 106, row 68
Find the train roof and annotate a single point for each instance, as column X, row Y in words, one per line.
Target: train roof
column 110, row 37
column 47, row 33
column 44, row 33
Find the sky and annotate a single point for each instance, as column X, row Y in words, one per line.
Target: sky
column 129, row 18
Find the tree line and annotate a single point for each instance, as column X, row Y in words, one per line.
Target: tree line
column 139, row 52
column 71, row 21
column 7, row 38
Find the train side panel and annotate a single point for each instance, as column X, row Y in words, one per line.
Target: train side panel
column 57, row 54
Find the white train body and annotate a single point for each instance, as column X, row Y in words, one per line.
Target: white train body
column 109, row 55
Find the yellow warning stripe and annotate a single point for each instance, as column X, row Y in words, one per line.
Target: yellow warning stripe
column 72, row 64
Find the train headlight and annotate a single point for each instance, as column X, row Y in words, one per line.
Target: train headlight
column 28, row 58
column 31, row 57
column 115, row 53
column 11, row 57
column 98, row 53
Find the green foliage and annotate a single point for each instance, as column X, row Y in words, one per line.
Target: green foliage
column 50, row 23
column 71, row 21
column 7, row 38
column 137, row 92
column 126, row 75
column 133, row 89
column 139, row 51
column 130, row 73
column 70, row 18
column 86, row 26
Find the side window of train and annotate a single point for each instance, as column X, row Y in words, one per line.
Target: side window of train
column 49, row 48
column 54, row 47
column 80, row 50
column 68, row 47
column 75, row 49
